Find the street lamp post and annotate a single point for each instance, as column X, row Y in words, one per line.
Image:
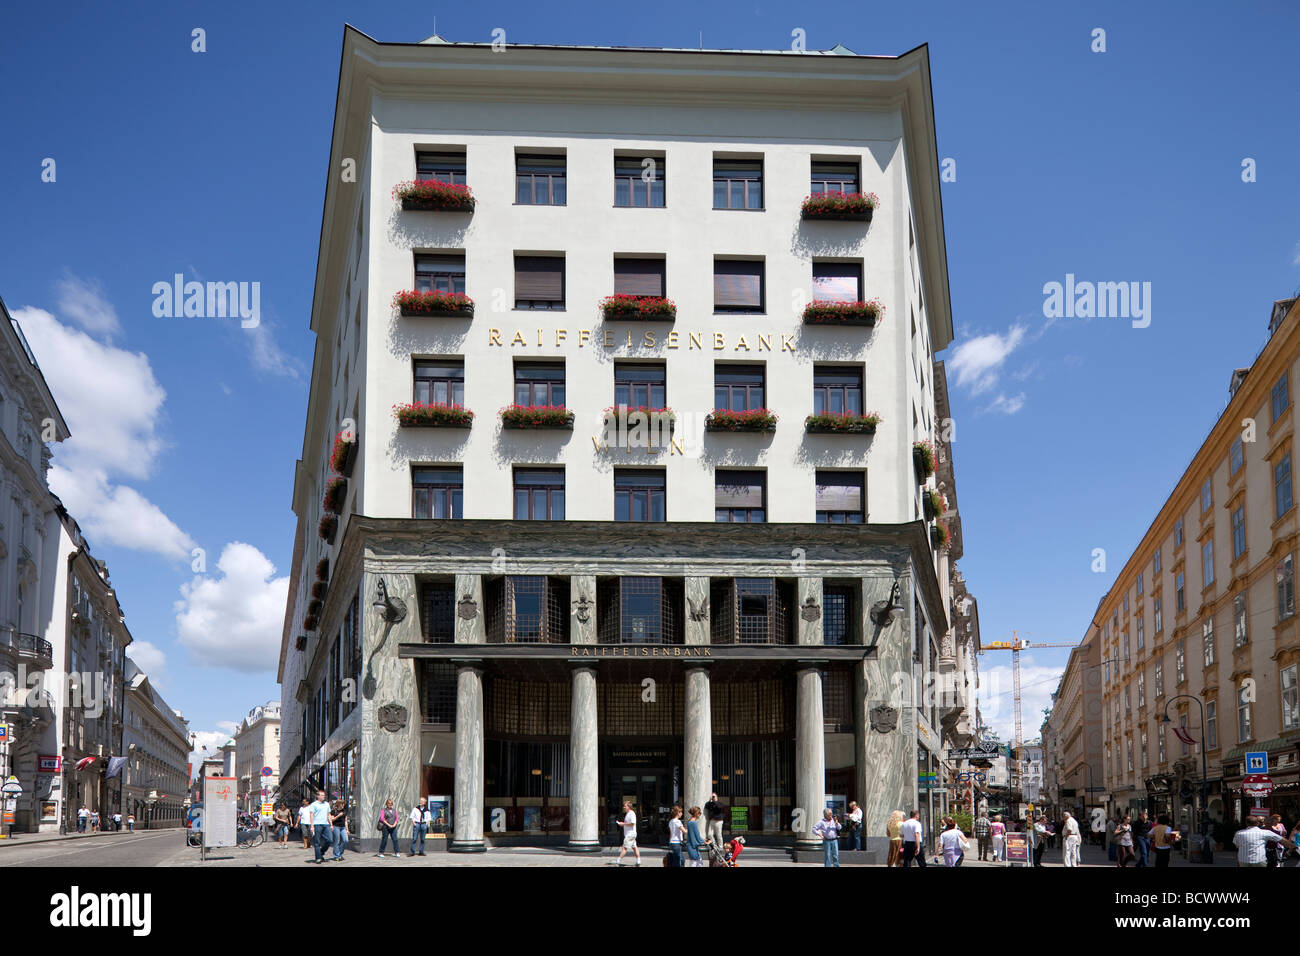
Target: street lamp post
column 1207, row 850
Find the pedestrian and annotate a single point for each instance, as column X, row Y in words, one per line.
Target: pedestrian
column 1123, row 841
column 714, row 814
column 894, row 833
column 1293, row 858
column 83, row 819
column 1251, row 840
column 853, row 824
column 320, row 824
column 828, row 828
column 628, row 823
column 282, row 820
column 913, row 842
column 130, row 823
column 1142, row 838
column 421, row 817
column 1272, row 853
column 339, row 828
column 1070, row 839
column 953, row 842
column 982, row 830
column 694, row 840
column 117, row 822
column 675, row 828
column 1163, row 839
column 304, row 823
column 388, row 829
column 997, row 838
column 1038, row 838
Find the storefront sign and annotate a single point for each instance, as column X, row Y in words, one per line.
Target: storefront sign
column 1017, row 847
column 440, row 813
column 638, row 650
column 650, row 338
column 49, row 763
column 740, row 819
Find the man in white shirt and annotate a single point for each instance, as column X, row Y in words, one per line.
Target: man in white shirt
column 855, row 825
column 913, row 845
column 628, row 823
column 320, row 821
column 1072, row 839
column 1251, row 843
column 420, row 820
column 83, row 815
column 304, row 823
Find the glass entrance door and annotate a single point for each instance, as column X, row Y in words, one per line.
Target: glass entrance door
column 648, row 792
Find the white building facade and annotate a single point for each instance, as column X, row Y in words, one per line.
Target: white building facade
column 157, row 751
column 257, row 748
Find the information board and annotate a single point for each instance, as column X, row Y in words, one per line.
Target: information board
column 1017, row 847
column 220, row 807
column 740, row 819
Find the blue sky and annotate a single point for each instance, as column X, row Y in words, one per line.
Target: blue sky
column 1117, row 166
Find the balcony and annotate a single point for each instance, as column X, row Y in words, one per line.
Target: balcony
column 27, row 648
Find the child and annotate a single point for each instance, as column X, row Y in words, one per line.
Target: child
column 734, row 848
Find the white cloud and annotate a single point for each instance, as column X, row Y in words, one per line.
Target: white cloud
column 997, row 700
column 118, row 514
column 151, row 659
column 1296, row 260
column 1005, row 405
column 234, row 620
column 265, row 351
column 84, row 302
column 228, row 727
column 976, row 363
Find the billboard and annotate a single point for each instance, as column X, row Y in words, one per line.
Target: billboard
column 220, row 805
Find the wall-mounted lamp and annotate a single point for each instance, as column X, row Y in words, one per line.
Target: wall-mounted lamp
column 391, row 609
column 882, row 612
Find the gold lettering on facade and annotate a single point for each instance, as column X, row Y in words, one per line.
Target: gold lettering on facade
column 742, row 344
column 629, row 338
column 494, row 336
column 648, row 338
column 519, row 338
column 677, row 446
column 719, row 340
column 765, row 341
column 694, row 340
column 672, row 339
column 583, row 335
column 609, row 338
column 560, row 335
column 539, row 338
column 787, row 342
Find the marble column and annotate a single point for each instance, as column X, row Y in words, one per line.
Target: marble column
column 885, row 715
column 697, row 755
column 470, row 627
column 809, row 755
column 698, row 612
column 810, row 606
column 584, row 764
column 468, row 808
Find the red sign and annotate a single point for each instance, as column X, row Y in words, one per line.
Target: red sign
column 1257, row 785
column 49, row 763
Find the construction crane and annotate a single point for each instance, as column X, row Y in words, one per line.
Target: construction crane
column 1015, row 646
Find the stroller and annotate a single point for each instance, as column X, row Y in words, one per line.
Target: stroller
column 721, row 856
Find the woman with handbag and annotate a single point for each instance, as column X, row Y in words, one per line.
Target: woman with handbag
column 339, row 829
column 954, row 844
column 388, row 830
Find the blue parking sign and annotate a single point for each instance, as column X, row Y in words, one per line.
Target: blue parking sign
column 1257, row 762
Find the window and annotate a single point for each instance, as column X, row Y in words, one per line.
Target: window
column 1180, row 598
column 1160, row 740
column 1144, row 750
column 740, row 496
column 1207, row 563
column 639, row 181
column 444, row 167
column 539, row 383
column 1155, row 566
column 639, row 495
column 1160, row 680
column 1182, row 725
column 539, row 282
column 1211, row 725
column 838, row 616
column 834, row 178
column 1207, row 638
column 1285, row 575
column 1240, row 635
column 1282, row 485
column 438, row 492
column 1158, row 613
column 1238, row 532
column 1128, row 702
column 539, row 180
column 1281, row 397
column 440, row 274
column 1290, row 699
column 1180, row 662
column 639, row 277
column 840, row 498
column 1125, row 602
column 1141, row 639
column 1142, row 690
column 1130, row 753
column 1207, row 496
column 1243, row 714
column 640, row 386
column 1141, row 575
column 1235, row 456
column 539, row 494
column 837, row 390
column 738, row 285
column 1178, row 533
column 440, row 383
column 738, row 388
column 738, row 184
column 1126, row 646
column 837, row 281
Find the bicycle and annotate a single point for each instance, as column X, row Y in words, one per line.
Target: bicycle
column 250, row 836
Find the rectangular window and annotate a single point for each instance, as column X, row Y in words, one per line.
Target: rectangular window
column 1238, row 532
column 444, row 167
column 1207, row 563
column 1140, row 627
column 832, row 177
column 1155, row 566
column 1239, row 631
column 1141, row 576
column 837, row 281
column 1281, row 399
column 439, row 273
column 1128, row 702
column 1130, row 754
column 539, row 383
column 639, row 277
column 737, row 184
column 1207, row 638
column 640, row 495
column 539, row 494
column 640, row 386
column 1142, row 690
column 1126, row 646
column 740, row 496
column 838, row 615
column 440, row 383
column 539, row 282
column 1207, row 496
column 1160, row 679
column 1235, row 456
column 1178, row 533
column 1180, row 597
column 1211, row 725
column 438, row 613
column 1160, row 740
column 1144, row 750
column 1282, row 485
column 1285, row 575
column 1180, row 662
column 840, row 498
column 639, row 181
column 738, row 388
column 1157, row 614
column 1243, row 714
column 438, row 492
column 539, row 180
column 1125, row 602
column 738, row 285
column 837, row 390
column 1290, row 699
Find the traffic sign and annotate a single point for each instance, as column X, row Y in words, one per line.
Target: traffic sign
column 12, row 787
column 5, row 736
column 266, row 771
column 1257, row 785
column 1257, row 761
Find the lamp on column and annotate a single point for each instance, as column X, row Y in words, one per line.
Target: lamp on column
column 391, row 609
column 882, row 612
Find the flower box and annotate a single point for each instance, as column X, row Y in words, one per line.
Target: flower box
column 421, row 415
column 753, row 420
column 825, row 312
column 939, row 536
column 329, row 524
column 432, row 194
column 856, row 207
column 933, row 503
column 536, row 416
column 314, row 607
column 923, row 459
column 344, row 454
column 336, row 492
column 845, row 424
column 318, row 590
column 638, row 308
column 448, row 305
column 323, row 569
column 309, row 622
